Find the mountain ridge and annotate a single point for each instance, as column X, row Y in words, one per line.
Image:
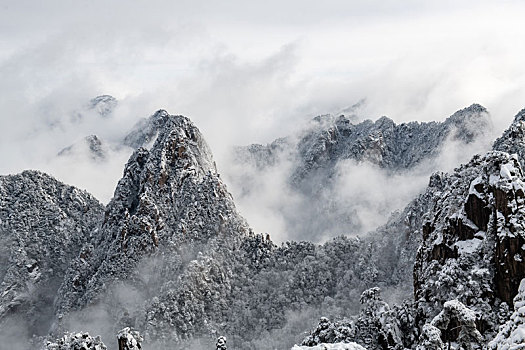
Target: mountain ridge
column 171, row 256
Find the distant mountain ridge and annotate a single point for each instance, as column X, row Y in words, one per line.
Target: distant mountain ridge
column 315, row 165
column 383, row 142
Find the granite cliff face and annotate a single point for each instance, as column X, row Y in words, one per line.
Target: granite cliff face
column 469, row 250
column 468, row 234
column 473, row 242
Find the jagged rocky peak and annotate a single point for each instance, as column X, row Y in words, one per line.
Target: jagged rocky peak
column 179, row 152
column 513, row 139
column 43, row 225
column 91, row 145
column 315, row 162
column 104, row 105
column 473, row 241
column 470, row 123
column 145, row 131
column 168, row 205
column 392, row 146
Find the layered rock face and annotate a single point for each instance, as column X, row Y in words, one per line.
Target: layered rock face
column 473, row 237
column 43, row 225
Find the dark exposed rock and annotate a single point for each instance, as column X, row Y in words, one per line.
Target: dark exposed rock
column 510, row 266
column 477, row 211
column 442, row 252
column 473, row 237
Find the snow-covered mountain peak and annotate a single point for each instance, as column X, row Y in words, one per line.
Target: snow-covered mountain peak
column 168, row 205
column 103, row 105
column 145, row 131
column 180, row 144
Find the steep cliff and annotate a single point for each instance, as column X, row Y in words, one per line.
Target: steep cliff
column 472, row 241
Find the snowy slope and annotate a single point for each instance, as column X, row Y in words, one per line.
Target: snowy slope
column 43, row 225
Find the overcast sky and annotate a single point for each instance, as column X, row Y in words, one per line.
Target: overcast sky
column 248, row 71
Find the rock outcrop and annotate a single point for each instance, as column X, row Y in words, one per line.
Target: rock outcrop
column 470, row 246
